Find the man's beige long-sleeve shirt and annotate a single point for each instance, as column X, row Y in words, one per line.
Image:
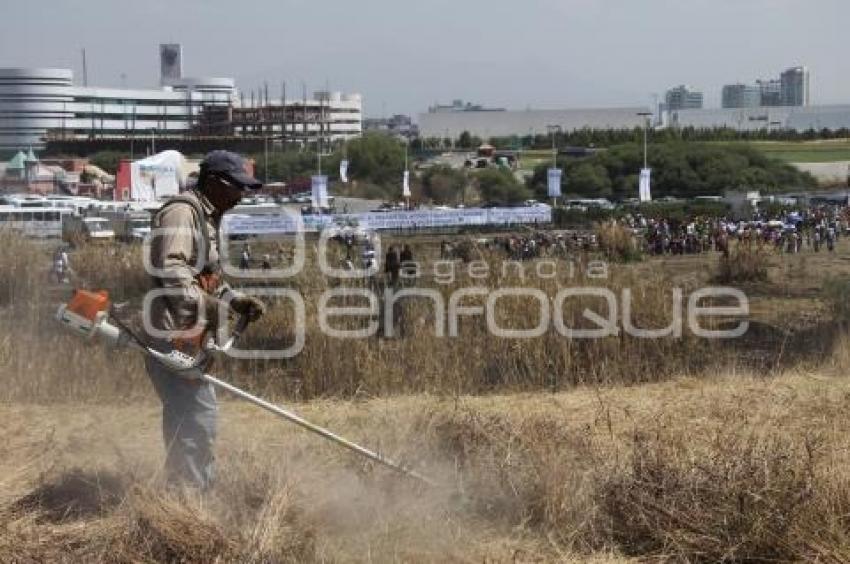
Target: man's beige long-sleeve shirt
column 177, row 252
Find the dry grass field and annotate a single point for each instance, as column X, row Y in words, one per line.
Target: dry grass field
column 544, row 450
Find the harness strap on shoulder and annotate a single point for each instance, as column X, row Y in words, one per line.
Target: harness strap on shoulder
column 199, row 213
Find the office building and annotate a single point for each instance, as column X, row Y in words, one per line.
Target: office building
column 741, row 96
column 770, row 92
column 682, row 97
column 42, row 104
column 795, row 86
column 790, row 89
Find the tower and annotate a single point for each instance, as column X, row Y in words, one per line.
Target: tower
column 170, row 62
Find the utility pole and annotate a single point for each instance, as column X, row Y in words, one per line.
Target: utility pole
column 133, row 132
column 304, row 112
column 319, row 133
column 283, row 116
column 645, row 115
column 552, row 130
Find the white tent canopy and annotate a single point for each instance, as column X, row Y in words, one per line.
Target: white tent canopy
column 162, row 174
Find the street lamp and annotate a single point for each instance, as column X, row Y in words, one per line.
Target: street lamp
column 645, row 116
column 266, row 157
column 552, row 129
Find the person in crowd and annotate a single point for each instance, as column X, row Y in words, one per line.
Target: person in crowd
column 392, row 265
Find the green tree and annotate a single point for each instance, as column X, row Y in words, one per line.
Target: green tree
column 443, row 184
column 376, row 158
column 589, row 179
column 679, row 168
column 499, row 186
column 286, row 166
column 108, row 160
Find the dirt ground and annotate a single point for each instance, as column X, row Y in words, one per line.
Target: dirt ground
column 357, row 513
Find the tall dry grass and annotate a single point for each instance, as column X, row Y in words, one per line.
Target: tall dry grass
column 45, row 365
column 744, row 263
column 103, row 516
column 618, row 242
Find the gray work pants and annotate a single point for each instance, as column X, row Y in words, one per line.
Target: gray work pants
column 189, row 414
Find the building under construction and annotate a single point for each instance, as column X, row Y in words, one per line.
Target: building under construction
column 327, row 118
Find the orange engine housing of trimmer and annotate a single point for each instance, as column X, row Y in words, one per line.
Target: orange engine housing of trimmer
column 88, row 304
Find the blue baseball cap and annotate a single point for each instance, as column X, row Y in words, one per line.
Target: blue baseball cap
column 231, row 166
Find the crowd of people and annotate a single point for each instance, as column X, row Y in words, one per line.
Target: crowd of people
column 816, row 229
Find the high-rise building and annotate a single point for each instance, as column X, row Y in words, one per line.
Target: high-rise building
column 791, row 89
column 795, row 86
column 741, row 96
column 683, row 97
column 771, row 92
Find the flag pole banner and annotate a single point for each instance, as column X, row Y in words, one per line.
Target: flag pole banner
column 644, row 194
column 343, row 171
column 554, row 184
column 405, row 184
column 319, row 192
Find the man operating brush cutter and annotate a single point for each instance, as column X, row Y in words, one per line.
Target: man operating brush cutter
column 184, row 261
column 192, row 299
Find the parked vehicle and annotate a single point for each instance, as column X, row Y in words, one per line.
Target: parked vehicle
column 37, row 222
column 77, row 229
column 131, row 227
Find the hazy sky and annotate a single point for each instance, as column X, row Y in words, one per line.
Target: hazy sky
column 403, row 56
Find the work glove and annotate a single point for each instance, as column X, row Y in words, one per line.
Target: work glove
column 249, row 306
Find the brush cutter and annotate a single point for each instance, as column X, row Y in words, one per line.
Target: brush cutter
column 87, row 314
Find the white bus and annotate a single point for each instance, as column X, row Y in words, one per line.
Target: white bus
column 34, row 222
column 77, row 203
column 25, row 201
